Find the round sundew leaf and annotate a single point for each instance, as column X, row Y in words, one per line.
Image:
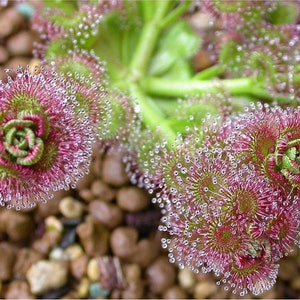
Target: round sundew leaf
column 254, row 273
column 22, row 102
column 67, row 22
column 58, row 152
column 229, row 6
column 57, row 47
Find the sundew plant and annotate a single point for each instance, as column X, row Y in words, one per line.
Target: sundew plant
column 218, row 146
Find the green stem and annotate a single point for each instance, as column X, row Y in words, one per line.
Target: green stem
column 237, row 86
column 147, row 41
column 175, row 14
column 173, row 88
column 209, row 73
column 264, row 94
column 150, row 117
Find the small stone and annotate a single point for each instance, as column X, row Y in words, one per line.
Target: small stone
column 123, row 242
column 70, row 208
column 201, row 20
column 21, row 43
column 107, row 213
column 187, row 279
column 147, row 251
column 161, row 275
column 135, row 283
column 47, row 241
column 113, row 169
column 18, row 226
column 44, row 276
column 10, row 21
column 18, row 289
column 68, row 238
column 51, row 207
column 14, row 62
column 134, row 291
column 53, row 223
column 70, row 223
column 111, row 273
column 204, row 289
column 86, row 195
column 86, row 180
column 102, row 191
column 202, row 60
column 7, row 261
column 145, row 222
column 295, row 283
column 96, row 291
column 93, row 237
column 34, row 66
column 97, row 163
column 287, row 269
column 4, row 55
column 58, row 254
column 174, row 292
column 83, row 288
column 78, row 266
column 133, row 273
column 92, row 271
column 74, row 251
column 25, row 258
column 58, row 293
column 132, row 199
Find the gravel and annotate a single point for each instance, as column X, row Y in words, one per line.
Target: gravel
column 99, row 240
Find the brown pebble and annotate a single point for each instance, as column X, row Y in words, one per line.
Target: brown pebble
column 204, row 289
column 295, row 283
column 132, row 273
column 132, row 199
column 102, row 191
column 21, row 43
column 97, row 163
column 78, row 266
column 174, row 292
column 147, row 251
column 25, row 258
column 134, row 291
column 47, row 241
column 108, row 213
column 15, row 62
column 86, row 195
column 18, row 289
column 7, row 261
column 113, row 169
column 161, row 275
column 202, row 60
column 18, row 226
column 10, row 21
column 123, row 242
column 287, row 269
column 4, row 55
column 52, row 206
column 135, row 283
column 86, row 180
column 93, row 237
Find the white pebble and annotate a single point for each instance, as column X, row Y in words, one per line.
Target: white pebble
column 46, row 275
column 186, row 278
column 70, row 208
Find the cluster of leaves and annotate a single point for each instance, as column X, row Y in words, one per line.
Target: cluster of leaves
column 232, row 205
column 120, row 73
